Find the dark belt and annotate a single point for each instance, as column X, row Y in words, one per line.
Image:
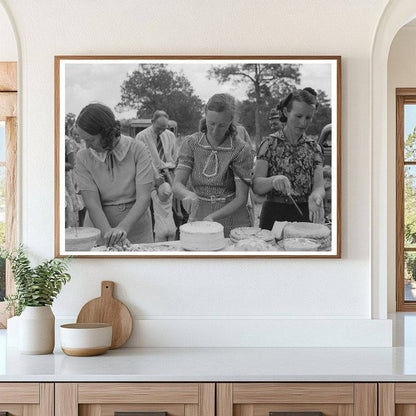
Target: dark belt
column 121, row 207
column 286, row 199
column 213, row 198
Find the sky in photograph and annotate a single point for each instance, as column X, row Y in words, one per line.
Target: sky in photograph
column 88, row 82
column 409, row 119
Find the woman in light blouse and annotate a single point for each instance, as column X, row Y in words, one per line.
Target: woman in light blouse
column 115, row 177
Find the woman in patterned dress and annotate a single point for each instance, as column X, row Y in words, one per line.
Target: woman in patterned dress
column 218, row 165
column 290, row 163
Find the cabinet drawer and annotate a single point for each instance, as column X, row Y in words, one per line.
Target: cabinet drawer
column 397, row 399
column 19, row 393
column 21, row 399
column 138, row 393
column 106, row 399
column 296, row 399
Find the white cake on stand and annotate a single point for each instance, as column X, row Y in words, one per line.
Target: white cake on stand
column 202, row 236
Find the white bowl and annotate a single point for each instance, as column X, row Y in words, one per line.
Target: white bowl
column 81, row 238
column 84, row 340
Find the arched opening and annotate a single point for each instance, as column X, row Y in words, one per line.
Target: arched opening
column 8, row 149
column 396, row 14
column 401, row 101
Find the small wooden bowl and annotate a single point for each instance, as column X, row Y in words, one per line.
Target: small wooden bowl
column 84, row 340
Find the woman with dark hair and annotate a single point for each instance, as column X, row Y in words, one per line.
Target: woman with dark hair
column 115, row 177
column 289, row 166
column 218, row 164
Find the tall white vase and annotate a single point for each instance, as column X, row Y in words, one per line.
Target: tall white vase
column 37, row 330
column 13, row 332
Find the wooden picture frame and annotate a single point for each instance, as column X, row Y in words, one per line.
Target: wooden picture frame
column 128, row 84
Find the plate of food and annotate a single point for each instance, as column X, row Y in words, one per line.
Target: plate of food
column 244, row 233
column 299, row 244
column 251, row 244
column 318, row 233
column 138, row 248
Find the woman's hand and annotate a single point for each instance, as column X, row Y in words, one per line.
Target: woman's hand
column 190, row 203
column 316, row 208
column 114, row 236
column 208, row 218
column 164, row 192
column 281, row 183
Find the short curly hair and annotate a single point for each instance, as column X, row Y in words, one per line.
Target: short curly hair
column 96, row 119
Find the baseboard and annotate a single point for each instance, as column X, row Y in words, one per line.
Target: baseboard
column 259, row 332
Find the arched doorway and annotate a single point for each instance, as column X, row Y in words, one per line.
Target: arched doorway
column 8, row 149
column 396, row 14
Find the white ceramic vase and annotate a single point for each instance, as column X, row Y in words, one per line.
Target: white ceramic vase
column 37, row 330
column 13, row 331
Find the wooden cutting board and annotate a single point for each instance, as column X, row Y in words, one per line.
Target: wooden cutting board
column 107, row 309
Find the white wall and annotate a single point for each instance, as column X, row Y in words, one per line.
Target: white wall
column 211, row 302
column 8, row 47
column 401, row 74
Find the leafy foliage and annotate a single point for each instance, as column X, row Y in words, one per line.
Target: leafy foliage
column 410, row 146
column 35, row 286
column 410, row 266
column 2, row 233
column 69, row 122
column 410, row 205
column 155, row 87
column 410, row 190
column 2, row 279
column 265, row 80
column 322, row 117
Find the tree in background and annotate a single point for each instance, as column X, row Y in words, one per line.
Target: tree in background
column 155, row 87
column 266, row 84
column 322, row 117
column 410, row 190
column 410, row 205
column 2, row 205
column 410, row 146
column 2, row 243
column 69, row 121
column 2, row 262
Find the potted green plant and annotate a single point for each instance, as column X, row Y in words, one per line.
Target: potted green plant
column 36, row 289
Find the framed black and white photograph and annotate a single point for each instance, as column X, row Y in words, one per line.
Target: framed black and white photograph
column 198, row 156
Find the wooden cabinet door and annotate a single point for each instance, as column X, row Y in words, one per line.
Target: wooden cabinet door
column 297, row 399
column 397, row 399
column 153, row 399
column 27, row 399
